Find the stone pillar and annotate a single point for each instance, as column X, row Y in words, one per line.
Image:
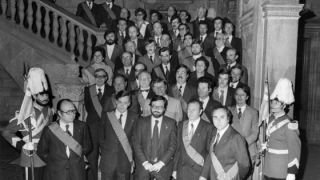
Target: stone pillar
column 72, row 87
column 280, row 40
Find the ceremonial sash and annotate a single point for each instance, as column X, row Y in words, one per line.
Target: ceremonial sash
column 109, row 11
column 159, row 72
column 272, row 128
column 39, row 128
column 121, row 135
column 218, row 56
column 66, row 139
column 176, row 94
column 205, row 117
column 194, row 155
column 233, row 171
column 91, row 70
column 89, row 13
column 109, row 62
column 95, row 100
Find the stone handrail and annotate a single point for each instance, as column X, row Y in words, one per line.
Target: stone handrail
column 56, row 25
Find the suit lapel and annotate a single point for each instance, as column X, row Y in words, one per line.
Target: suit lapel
column 224, row 138
column 128, row 124
column 75, row 136
column 196, row 134
column 163, row 130
column 114, row 53
column 186, row 93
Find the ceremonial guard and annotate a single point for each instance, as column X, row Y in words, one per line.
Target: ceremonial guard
column 33, row 116
column 283, row 144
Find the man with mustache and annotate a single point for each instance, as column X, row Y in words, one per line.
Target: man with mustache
column 35, row 111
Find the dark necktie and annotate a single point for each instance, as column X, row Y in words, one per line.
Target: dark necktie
column 121, row 35
column 228, row 67
column 167, row 73
column 154, row 143
column 109, row 5
column 99, row 94
column 221, row 98
column 151, row 59
column 158, row 42
column 180, row 90
column 201, row 38
column 90, row 5
column 127, row 72
column 191, row 131
column 215, row 143
column 240, row 113
column 216, row 34
column 67, row 130
column 120, row 119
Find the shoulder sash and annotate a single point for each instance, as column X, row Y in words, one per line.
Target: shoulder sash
column 159, row 73
column 218, row 56
column 205, row 117
column 66, row 139
column 91, row 70
column 233, row 171
column 109, row 11
column 271, row 128
column 89, row 14
column 176, row 94
column 120, row 134
column 95, row 100
column 193, row 154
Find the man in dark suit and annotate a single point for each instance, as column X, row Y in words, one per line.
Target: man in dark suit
column 64, row 144
column 166, row 70
column 125, row 14
column 140, row 44
column 122, row 33
column 108, row 12
column 94, row 98
column 218, row 23
column 237, row 72
column 112, row 49
column 155, row 142
column 223, row 92
column 228, row 155
column 151, row 59
column 156, row 30
column 208, row 103
column 155, row 16
column 185, row 19
column 201, row 12
column 129, row 46
column 218, row 54
column 115, row 138
column 166, row 41
column 181, row 90
column 174, row 33
column 88, row 11
column 232, row 58
column 204, row 37
column 120, row 83
column 128, row 69
column 232, row 41
column 201, row 71
column 193, row 139
column 167, row 20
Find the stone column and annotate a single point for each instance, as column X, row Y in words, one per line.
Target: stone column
column 280, row 21
column 72, row 87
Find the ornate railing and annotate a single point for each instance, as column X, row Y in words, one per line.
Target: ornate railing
column 56, row 25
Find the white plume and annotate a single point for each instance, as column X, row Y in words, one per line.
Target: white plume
column 283, row 91
column 37, row 81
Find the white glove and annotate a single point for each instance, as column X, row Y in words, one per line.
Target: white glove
column 29, row 146
column 291, row 177
column 174, row 174
column 202, row 178
column 263, row 146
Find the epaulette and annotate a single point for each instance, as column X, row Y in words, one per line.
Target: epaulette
column 293, row 125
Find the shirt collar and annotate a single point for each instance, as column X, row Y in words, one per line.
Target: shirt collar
column 204, row 36
column 221, row 48
column 63, row 124
column 279, row 115
column 196, row 56
column 151, row 55
column 222, row 131
column 118, row 113
column 164, row 66
column 225, row 89
column 195, row 123
column 242, row 108
column 102, row 88
column 159, row 119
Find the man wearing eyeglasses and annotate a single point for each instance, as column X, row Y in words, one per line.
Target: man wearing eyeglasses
column 115, row 138
column 155, row 142
column 129, row 46
column 94, row 98
column 174, row 110
column 64, row 144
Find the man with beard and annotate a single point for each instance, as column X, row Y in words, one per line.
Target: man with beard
column 113, row 50
column 151, row 59
column 218, row 54
column 34, row 115
column 166, row 69
column 283, row 145
column 129, row 46
column 193, row 139
column 197, row 49
column 155, row 142
column 115, row 137
column 124, row 14
column 120, row 83
column 174, row 109
column 232, row 58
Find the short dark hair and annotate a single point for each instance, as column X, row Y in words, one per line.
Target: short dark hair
column 229, row 114
column 203, row 59
column 188, row 34
column 144, row 66
column 219, row 18
column 245, row 89
column 137, row 29
column 164, row 49
column 238, row 66
column 174, row 8
column 156, row 12
column 62, row 101
column 155, row 23
column 122, row 19
column 149, row 41
column 143, row 12
column 227, row 21
column 167, row 35
column 204, row 23
column 198, row 42
column 122, row 94
column 100, row 70
column 183, row 66
column 120, row 76
column 160, row 80
column 101, row 50
column 225, row 72
column 159, row 98
column 130, row 53
column 187, row 13
column 109, row 31
column 205, row 80
column 183, row 24
column 193, row 101
column 175, row 16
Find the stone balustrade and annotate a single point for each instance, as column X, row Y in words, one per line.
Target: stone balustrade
column 56, row 25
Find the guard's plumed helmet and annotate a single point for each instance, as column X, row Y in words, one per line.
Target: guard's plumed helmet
column 37, row 82
column 283, row 92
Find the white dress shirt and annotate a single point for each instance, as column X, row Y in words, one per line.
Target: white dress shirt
column 221, row 132
column 215, row 32
column 102, row 89
column 195, row 125
column 110, row 4
column 203, row 37
column 63, row 127
column 205, row 102
column 123, row 33
column 164, row 67
column 230, row 38
column 123, row 119
column 224, row 94
column 183, row 87
column 129, row 69
column 110, row 49
column 220, row 49
column 145, row 94
column 234, row 84
column 90, row 4
column 153, row 122
column 242, row 108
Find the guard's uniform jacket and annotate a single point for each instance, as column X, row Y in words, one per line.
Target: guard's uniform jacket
column 283, row 147
column 38, row 122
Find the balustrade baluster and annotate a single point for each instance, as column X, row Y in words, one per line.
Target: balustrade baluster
column 21, row 13
column 13, row 10
column 39, row 23
column 72, row 36
column 63, row 26
column 55, row 28
column 4, row 8
column 29, row 15
column 47, row 24
column 80, row 42
column 89, row 46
